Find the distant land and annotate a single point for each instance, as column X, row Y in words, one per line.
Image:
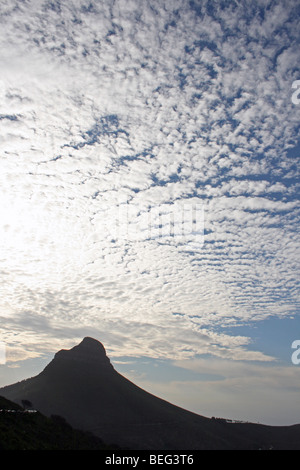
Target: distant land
column 82, row 391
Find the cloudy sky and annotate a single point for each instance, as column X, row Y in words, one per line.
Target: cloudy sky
column 149, row 188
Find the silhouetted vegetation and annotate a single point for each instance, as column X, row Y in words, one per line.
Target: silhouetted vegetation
column 26, row 404
column 20, row 430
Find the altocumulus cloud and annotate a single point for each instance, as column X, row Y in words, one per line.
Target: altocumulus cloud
column 114, row 105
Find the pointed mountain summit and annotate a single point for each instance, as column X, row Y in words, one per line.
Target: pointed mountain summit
column 89, row 346
column 82, row 386
column 89, row 352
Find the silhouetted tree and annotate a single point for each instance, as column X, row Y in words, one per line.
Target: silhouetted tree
column 26, row 404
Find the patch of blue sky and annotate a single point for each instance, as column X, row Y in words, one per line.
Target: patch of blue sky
column 9, row 117
column 159, row 370
column 272, row 336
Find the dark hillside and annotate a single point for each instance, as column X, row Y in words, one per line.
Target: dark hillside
column 81, row 385
column 29, row 430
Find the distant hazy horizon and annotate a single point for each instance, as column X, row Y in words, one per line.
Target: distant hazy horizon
column 149, row 188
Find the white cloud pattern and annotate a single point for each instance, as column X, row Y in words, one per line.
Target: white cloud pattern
column 145, row 106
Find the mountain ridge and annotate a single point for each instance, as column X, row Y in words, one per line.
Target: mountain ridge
column 82, row 386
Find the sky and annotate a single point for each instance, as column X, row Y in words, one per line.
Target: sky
column 149, row 188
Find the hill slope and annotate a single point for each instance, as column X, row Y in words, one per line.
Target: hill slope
column 81, row 385
column 21, row 430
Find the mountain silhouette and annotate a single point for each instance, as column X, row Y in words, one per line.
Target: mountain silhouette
column 82, row 386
